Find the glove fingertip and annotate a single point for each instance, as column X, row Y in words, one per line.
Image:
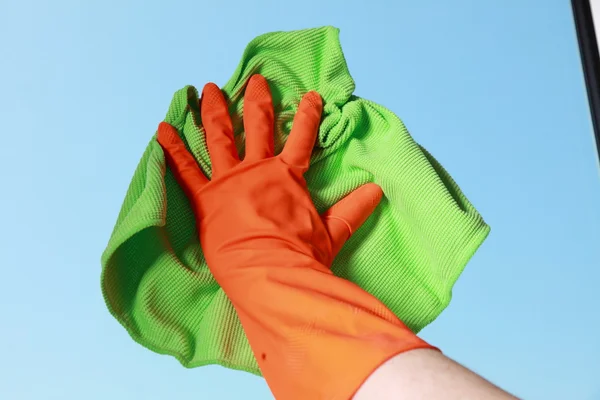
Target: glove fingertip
column 167, row 135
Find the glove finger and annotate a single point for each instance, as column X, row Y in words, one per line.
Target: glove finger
column 346, row 216
column 183, row 165
column 299, row 146
column 258, row 119
column 219, row 130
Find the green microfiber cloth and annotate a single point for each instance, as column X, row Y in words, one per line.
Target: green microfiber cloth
column 408, row 254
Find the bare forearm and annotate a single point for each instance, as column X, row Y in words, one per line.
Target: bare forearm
column 414, row 374
column 427, row 374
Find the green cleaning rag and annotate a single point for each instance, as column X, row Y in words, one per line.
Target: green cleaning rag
column 408, row 254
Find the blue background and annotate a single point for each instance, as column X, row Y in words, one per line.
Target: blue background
column 494, row 89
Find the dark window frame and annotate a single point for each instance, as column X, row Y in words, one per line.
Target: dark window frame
column 590, row 59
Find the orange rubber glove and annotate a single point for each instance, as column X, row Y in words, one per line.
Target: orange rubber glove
column 314, row 335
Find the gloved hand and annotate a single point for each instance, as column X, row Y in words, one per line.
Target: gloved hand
column 314, row 335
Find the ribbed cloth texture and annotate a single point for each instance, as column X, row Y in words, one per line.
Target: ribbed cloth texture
column 408, row 254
